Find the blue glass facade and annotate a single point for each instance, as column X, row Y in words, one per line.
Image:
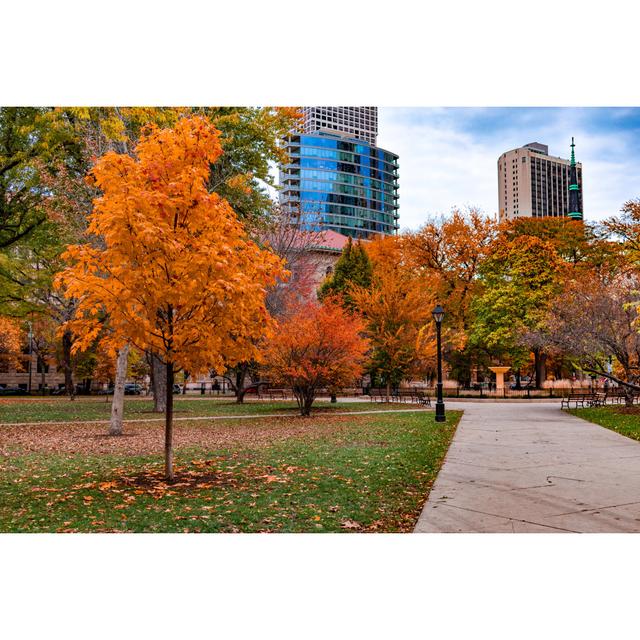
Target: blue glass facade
column 343, row 184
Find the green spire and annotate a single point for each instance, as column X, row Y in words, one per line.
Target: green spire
column 574, row 210
column 573, row 155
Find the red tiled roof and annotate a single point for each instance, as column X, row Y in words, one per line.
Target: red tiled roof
column 329, row 239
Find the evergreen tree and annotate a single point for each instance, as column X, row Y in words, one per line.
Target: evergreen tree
column 352, row 269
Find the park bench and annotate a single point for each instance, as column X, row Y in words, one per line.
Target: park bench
column 597, row 399
column 618, row 395
column 277, row 394
column 350, row 392
column 422, row 398
column 327, row 393
column 342, row 393
column 380, row 395
column 577, row 399
column 404, row 395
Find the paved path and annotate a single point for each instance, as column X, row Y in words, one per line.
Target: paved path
column 534, row 468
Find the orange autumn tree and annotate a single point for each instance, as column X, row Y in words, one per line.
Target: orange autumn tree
column 11, row 339
column 396, row 308
column 316, row 346
column 176, row 274
column 449, row 252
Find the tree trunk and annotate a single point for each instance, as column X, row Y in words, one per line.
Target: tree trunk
column 541, row 367
column 240, row 385
column 168, row 430
column 184, row 384
column 388, row 390
column 300, row 399
column 117, row 405
column 148, row 356
column 159, row 380
column 241, row 374
column 69, row 388
column 628, row 397
column 308, row 397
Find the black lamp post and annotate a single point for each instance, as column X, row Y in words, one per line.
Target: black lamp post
column 30, row 355
column 438, row 314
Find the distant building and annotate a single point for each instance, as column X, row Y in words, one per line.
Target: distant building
column 327, row 252
column 336, row 178
column 531, row 183
column 360, row 123
column 37, row 377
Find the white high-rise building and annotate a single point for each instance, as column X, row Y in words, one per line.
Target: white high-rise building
column 358, row 122
column 531, row 183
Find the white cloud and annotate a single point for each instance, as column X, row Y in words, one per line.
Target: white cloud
column 444, row 164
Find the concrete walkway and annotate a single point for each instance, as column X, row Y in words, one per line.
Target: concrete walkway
column 534, row 468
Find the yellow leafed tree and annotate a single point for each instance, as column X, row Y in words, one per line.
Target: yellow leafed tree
column 176, row 273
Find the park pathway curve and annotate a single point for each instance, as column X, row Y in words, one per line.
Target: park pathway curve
column 530, row 467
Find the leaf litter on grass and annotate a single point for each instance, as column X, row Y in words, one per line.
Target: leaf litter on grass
column 320, row 478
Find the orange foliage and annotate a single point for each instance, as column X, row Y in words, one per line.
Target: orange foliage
column 387, row 252
column 316, row 346
column 178, row 275
column 449, row 252
column 11, row 339
column 397, row 312
column 45, row 343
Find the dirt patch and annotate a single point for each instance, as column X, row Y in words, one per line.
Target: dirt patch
column 205, row 475
column 148, row 438
column 632, row 411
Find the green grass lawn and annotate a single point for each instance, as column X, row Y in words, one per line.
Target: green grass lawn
column 362, row 473
column 96, row 408
column 625, row 421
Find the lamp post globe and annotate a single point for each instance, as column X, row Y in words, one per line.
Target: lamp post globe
column 438, row 315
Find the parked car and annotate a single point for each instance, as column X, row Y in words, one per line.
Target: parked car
column 132, row 389
column 105, row 392
column 13, row 391
column 60, row 391
column 80, row 390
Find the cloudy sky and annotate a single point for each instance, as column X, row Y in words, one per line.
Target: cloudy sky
column 448, row 156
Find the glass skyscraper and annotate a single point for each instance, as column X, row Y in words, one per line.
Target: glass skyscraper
column 336, row 178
